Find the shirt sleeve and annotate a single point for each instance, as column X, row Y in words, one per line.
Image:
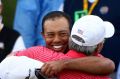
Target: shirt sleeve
column 27, row 53
column 42, row 54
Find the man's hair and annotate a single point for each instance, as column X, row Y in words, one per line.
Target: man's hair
column 55, row 14
column 87, row 50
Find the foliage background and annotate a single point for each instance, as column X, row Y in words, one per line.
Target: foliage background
column 8, row 12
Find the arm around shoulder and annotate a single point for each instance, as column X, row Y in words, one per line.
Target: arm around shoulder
column 92, row 64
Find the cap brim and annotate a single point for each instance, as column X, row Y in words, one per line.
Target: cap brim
column 110, row 30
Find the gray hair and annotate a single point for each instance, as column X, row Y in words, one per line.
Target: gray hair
column 87, row 50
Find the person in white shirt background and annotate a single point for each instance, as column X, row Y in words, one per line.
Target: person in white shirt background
column 10, row 40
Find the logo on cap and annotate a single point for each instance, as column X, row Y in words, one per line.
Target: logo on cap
column 80, row 32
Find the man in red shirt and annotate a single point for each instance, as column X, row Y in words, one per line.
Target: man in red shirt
column 44, row 56
column 56, row 30
column 83, row 40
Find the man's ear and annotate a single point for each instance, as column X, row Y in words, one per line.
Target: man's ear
column 99, row 47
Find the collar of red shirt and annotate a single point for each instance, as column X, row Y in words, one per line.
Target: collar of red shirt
column 74, row 54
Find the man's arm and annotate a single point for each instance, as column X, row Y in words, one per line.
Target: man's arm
column 92, row 64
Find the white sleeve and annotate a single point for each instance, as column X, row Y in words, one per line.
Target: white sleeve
column 14, row 67
column 19, row 44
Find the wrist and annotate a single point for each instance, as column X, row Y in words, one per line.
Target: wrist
column 65, row 64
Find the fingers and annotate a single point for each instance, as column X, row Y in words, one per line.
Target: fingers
column 48, row 70
column 51, row 73
column 44, row 68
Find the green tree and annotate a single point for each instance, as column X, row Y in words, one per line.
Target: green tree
column 8, row 13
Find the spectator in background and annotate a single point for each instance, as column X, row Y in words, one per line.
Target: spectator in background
column 29, row 14
column 10, row 40
column 107, row 10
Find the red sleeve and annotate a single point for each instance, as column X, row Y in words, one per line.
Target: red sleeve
column 42, row 54
column 27, row 52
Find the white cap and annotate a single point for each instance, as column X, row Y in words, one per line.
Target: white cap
column 91, row 30
column 18, row 68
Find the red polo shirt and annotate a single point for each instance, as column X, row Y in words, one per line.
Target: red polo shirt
column 71, row 74
column 44, row 54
